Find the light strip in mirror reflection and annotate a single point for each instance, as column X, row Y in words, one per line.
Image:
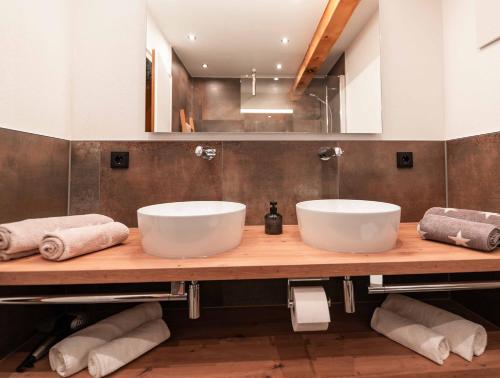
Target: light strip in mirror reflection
column 267, row 111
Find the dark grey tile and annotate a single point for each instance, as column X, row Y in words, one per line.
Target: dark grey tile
column 368, row 171
column 34, row 176
column 288, row 172
column 473, row 179
column 159, row 172
column 220, row 126
column 217, row 99
column 268, row 122
column 85, row 175
column 182, row 92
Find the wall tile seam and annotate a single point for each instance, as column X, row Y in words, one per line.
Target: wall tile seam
column 68, row 200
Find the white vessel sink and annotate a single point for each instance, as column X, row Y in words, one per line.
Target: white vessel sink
column 349, row 225
column 191, row 229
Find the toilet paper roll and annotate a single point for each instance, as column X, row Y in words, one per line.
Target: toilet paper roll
column 310, row 310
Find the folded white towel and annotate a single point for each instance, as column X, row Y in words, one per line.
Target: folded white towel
column 412, row 335
column 20, row 239
column 71, row 242
column 70, row 355
column 466, row 338
column 110, row 357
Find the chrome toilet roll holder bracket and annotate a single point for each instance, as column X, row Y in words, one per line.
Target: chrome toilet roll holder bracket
column 291, row 281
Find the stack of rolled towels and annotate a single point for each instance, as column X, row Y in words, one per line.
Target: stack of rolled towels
column 428, row 330
column 60, row 238
column 467, row 228
column 111, row 343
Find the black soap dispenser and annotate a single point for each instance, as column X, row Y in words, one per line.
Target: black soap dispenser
column 273, row 220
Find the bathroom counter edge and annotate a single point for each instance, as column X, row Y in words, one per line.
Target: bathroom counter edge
column 259, row 256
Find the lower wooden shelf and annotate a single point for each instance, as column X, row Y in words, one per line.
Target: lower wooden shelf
column 259, row 342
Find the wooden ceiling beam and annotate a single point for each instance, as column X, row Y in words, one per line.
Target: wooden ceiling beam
column 333, row 21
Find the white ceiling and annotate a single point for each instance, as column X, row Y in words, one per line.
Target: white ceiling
column 234, row 36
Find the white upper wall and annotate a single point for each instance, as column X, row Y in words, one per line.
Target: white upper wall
column 109, row 69
column 35, row 66
column 412, row 69
column 156, row 40
column 363, row 83
column 471, row 75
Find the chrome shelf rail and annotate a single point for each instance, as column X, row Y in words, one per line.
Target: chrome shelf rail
column 93, row 298
column 377, row 286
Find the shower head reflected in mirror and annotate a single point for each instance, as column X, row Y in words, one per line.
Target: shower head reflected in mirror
column 317, row 98
column 329, row 113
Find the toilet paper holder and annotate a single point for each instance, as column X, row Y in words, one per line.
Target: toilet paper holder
column 293, row 280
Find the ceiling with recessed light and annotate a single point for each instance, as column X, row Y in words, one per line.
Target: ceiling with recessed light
column 234, row 36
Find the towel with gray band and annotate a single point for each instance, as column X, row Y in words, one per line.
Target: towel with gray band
column 469, row 215
column 111, row 356
column 476, row 235
column 71, row 242
column 410, row 334
column 466, row 338
column 70, row 355
column 20, row 239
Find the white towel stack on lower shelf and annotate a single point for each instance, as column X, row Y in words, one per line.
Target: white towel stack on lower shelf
column 414, row 336
column 110, row 357
column 420, row 327
column 111, row 343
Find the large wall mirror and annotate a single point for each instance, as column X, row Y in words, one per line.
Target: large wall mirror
column 221, row 66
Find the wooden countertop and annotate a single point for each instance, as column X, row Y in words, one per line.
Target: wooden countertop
column 259, row 256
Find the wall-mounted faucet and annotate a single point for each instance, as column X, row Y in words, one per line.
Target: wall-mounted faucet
column 207, row 153
column 326, row 153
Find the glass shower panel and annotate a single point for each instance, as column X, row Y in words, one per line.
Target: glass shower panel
column 335, row 94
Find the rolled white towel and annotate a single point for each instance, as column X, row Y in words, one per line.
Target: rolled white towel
column 71, row 242
column 466, row 338
column 70, row 355
column 111, row 356
column 412, row 335
column 20, row 239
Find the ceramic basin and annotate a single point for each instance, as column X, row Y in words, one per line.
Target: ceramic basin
column 349, row 225
column 191, row 229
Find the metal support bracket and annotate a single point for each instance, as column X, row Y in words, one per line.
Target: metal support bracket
column 194, row 300
column 349, row 303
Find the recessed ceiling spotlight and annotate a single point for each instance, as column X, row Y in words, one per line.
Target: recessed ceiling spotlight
column 191, row 37
column 276, row 78
column 279, row 66
column 269, row 116
column 285, row 40
column 204, row 66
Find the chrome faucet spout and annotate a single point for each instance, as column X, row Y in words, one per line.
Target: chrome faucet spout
column 206, row 153
column 326, row 153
